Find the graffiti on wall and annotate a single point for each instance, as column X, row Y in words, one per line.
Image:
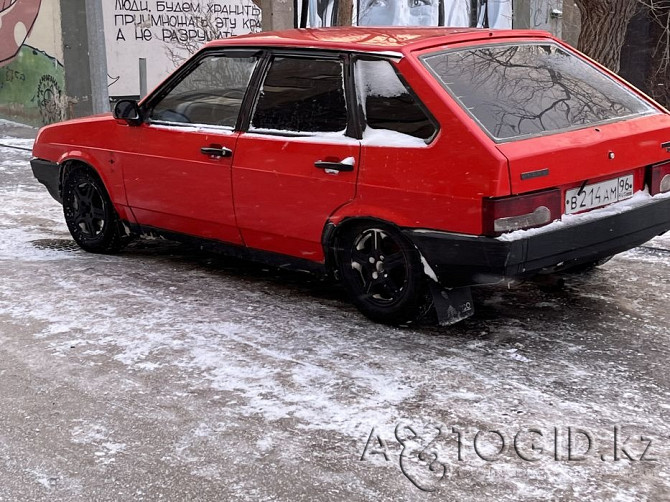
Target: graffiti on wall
column 17, row 18
column 49, row 98
column 165, row 32
column 31, row 81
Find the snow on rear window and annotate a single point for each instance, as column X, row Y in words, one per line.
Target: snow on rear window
column 388, row 104
column 378, row 78
column 529, row 89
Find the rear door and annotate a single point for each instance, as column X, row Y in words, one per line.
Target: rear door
column 298, row 161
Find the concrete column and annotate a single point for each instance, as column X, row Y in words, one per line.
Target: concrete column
column 84, row 57
column 97, row 56
column 75, row 58
column 277, row 14
column 539, row 15
column 521, row 14
column 571, row 22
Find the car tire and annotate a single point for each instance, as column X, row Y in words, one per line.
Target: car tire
column 382, row 273
column 89, row 212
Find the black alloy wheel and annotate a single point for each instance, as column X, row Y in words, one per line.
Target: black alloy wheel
column 89, row 213
column 382, row 272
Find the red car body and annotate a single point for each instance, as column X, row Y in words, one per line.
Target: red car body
column 456, row 205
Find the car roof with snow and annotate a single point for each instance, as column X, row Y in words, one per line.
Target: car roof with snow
column 373, row 39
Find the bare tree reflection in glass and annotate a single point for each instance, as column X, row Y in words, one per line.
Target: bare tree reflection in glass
column 532, row 89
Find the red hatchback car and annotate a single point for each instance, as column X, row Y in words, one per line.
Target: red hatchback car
column 410, row 163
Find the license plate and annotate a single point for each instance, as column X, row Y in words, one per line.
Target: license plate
column 598, row 194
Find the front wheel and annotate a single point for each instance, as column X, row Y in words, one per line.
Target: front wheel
column 89, row 213
column 382, row 273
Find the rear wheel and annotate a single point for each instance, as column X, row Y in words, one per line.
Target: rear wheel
column 382, row 273
column 89, row 213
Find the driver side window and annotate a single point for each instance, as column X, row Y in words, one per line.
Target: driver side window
column 211, row 94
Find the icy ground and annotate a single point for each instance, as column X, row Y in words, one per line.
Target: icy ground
column 166, row 374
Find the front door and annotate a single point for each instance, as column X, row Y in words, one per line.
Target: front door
column 178, row 174
column 296, row 164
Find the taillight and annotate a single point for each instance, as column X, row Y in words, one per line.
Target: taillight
column 521, row 211
column 659, row 179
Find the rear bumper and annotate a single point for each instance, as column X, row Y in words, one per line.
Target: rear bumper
column 460, row 260
column 48, row 173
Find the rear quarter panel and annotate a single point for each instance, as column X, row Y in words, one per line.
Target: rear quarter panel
column 436, row 186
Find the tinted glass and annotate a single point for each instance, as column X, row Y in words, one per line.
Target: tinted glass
column 211, row 94
column 302, row 95
column 530, row 89
column 387, row 103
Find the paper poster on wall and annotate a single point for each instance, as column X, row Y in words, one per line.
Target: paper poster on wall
column 494, row 14
column 399, row 13
column 455, row 13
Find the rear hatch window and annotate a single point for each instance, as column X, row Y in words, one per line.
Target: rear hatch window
column 530, row 89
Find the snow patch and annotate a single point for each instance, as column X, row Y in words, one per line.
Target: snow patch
column 428, row 270
column 89, row 433
column 337, row 137
column 640, row 199
column 195, row 128
column 391, row 139
column 45, row 480
column 378, row 79
column 17, row 142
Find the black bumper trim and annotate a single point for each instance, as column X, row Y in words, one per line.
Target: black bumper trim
column 460, row 260
column 48, row 173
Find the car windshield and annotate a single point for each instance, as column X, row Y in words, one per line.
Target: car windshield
column 529, row 89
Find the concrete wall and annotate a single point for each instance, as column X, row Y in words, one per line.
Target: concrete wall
column 165, row 33
column 539, row 15
column 47, row 32
column 32, row 76
column 571, row 22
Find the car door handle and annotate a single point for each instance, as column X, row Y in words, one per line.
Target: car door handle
column 333, row 166
column 216, row 151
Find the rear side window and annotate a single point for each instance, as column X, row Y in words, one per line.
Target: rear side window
column 531, row 89
column 302, row 95
column 387, row 103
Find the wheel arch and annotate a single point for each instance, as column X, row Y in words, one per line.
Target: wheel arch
column 75, row 158
column 89, row 212
column 334, row 229
column 408, row 301
column 356, row 212
column 69, row 164
column 116, row 194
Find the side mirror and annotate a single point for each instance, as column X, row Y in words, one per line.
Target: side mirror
column 128, row 111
